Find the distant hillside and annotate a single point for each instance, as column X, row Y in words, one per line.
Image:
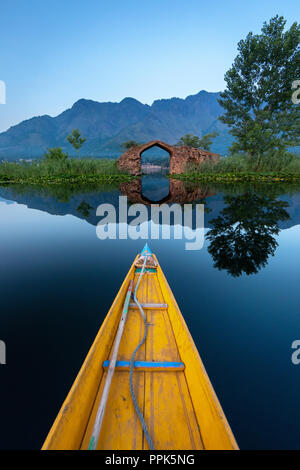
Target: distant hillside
column 107, row 125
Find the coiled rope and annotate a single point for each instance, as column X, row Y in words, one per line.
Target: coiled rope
column 136, row 406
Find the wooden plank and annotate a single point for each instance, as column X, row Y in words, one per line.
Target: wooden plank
column 121, row 429
column 147, row 366
column 214, row 428
column 147, row 270
column 150, row 305
column 169, row 412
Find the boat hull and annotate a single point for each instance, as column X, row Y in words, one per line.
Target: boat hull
column 180, row 407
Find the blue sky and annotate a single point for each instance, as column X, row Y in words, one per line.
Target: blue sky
column 56, row 52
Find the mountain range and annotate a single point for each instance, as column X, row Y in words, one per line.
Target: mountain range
column 107, row 125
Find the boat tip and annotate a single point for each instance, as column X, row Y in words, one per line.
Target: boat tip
column 146, row 250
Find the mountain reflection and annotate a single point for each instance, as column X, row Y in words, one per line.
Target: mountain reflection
column 82, row 201
column 242, row 236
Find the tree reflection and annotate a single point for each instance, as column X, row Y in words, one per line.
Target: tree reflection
column 84, row 209
column 242, row 237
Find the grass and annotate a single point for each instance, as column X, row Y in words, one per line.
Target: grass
column 237, row 168
column 71, row 170
column 233, row 169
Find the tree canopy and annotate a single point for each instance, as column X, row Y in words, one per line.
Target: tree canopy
column 258, row 98
column 130, row 143
column 55, row 154
column 75, row 139
column 204, row 143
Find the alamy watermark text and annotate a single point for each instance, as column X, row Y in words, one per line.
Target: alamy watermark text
column 296, row 354
column 296, row 94
column 188, row 222
column 2, row 92
column 2, row 353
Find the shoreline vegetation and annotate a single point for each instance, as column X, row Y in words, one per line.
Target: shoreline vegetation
column 239, row 168
column 237, row 178
column 231, row 169
column 64, row 171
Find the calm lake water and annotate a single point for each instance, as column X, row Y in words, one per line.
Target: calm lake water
column 239, row 295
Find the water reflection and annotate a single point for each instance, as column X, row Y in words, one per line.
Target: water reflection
column 178, row 192
column 66, row 263
column 243, row 219
column 84, row 209
column 82, row 201
column 155, row 187
column 242, row 236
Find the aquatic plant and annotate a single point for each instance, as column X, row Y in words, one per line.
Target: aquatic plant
column 55, row 171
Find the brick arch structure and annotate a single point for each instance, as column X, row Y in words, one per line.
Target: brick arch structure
column 130, row 161
column 178, row 193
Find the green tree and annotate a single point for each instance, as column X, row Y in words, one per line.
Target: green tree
column 55, row 154
column 129, row 144
column 206, row 142
column 190, row 140
column 258, row 98
column 75, row 139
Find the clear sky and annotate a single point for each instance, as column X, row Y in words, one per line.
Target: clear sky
column 54, row 52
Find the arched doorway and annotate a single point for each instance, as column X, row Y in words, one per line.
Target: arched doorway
column 155, row 160
column 155, row 165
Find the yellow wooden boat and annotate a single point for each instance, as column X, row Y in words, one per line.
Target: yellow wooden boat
column 171, row 389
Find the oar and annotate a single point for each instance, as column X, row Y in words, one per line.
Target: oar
column 101, row 410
